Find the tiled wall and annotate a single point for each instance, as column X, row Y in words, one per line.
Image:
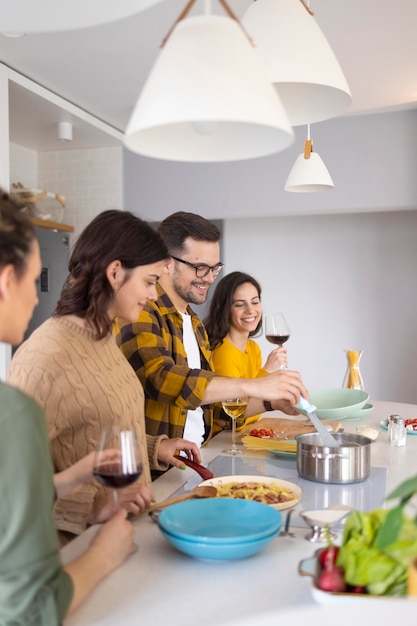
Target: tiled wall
column 23, row 166
column 90, row 180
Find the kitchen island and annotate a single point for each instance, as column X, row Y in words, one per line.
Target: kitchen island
column 158, row 585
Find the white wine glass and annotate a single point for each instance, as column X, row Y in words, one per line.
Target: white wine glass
column 118, row 461
column 277, row 330
column 234, row 408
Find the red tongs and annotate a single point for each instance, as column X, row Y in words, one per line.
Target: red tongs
column 200, row 469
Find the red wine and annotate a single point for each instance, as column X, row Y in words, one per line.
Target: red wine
column 113, row 477
column 277, row 339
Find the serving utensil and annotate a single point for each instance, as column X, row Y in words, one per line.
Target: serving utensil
column 205, row 491
column 327, row 439
column 204, row 472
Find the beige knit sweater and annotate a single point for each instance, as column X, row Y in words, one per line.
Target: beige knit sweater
column 83, row 386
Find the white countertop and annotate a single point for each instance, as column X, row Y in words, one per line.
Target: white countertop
column 158, row 585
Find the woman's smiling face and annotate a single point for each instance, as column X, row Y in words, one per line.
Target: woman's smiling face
column 246, row 309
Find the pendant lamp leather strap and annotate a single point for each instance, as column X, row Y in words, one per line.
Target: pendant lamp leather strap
column 188, row 8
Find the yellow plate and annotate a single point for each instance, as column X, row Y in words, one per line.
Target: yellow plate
column 267, row 480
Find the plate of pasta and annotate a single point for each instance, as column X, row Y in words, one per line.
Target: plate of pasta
column 278, row 493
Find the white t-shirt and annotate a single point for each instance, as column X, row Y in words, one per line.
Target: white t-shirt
column 194, row 424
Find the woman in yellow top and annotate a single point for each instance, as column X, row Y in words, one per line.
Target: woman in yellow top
column 235, row 315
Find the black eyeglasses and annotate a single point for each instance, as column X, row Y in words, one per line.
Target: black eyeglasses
column 202, row 270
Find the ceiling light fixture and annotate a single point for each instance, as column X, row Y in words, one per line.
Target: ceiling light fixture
column 47, row 15
column 298, row 60
column 309, row 173
column 64, row 131
column 208, row 97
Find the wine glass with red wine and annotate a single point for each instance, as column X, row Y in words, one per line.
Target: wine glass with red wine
column 118, row 461
column 277, row 330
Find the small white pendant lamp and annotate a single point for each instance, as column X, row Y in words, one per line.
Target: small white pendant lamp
column 309, row 172
column 42, row 16
column 298, row 59
column 208, row 97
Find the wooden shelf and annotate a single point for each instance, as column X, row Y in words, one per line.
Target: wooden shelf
column 52, row 225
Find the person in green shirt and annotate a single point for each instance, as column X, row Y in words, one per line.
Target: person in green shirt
column 35, row 588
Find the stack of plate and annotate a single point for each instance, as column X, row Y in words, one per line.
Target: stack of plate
column 220, row 528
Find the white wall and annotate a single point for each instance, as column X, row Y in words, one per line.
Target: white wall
column 343, row 282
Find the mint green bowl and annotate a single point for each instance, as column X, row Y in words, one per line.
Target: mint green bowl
column 337, row 404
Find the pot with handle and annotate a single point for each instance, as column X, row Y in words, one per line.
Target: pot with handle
column 348, row 463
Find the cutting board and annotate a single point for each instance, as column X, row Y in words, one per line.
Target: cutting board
column 288, row 428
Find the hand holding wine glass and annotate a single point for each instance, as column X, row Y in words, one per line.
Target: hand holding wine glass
column 277, row 330
column 234, row 408
column 118, row 461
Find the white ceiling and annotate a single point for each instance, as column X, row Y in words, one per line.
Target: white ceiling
column 102, row 69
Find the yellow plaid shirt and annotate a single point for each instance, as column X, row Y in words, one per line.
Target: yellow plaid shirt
column 154, row 347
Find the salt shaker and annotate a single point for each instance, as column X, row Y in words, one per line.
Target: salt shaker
column 389, row 424
column 397, row 432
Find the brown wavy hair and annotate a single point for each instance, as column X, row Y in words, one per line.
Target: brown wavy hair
column 112, row 235
column 218, row 320
column 17, row 234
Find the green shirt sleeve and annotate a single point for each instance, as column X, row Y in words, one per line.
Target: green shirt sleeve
column 34, row 588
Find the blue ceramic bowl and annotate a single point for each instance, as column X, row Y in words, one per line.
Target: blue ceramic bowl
column 219, row 551
column 223, row 521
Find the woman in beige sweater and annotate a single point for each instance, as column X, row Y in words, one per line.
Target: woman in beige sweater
column 73, row 368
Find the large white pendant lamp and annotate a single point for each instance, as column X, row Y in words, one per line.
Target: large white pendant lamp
column 31, row 16
column 309, row 173
column 298, row 59
column 208, row 98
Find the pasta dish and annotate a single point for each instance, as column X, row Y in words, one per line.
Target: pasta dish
column 267, row 493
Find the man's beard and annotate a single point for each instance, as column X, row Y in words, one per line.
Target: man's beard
column 189, row 296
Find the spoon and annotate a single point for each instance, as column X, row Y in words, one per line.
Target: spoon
column 205, row 491
column 326, row 438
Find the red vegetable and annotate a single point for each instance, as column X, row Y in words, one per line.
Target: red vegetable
column 332, row 579
column 328, row 556
column 262, row 433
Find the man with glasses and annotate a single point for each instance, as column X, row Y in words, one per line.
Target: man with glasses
column 169, row 349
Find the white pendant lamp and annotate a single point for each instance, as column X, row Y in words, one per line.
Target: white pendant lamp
column 298, row 59
column 31, row 16
column 309, row 172
column 208, row 98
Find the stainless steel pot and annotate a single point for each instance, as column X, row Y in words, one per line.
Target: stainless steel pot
column 349, row 463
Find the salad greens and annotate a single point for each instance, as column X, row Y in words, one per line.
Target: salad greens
column 378, row 546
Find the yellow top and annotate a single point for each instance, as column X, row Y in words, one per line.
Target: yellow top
column 228, row 360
